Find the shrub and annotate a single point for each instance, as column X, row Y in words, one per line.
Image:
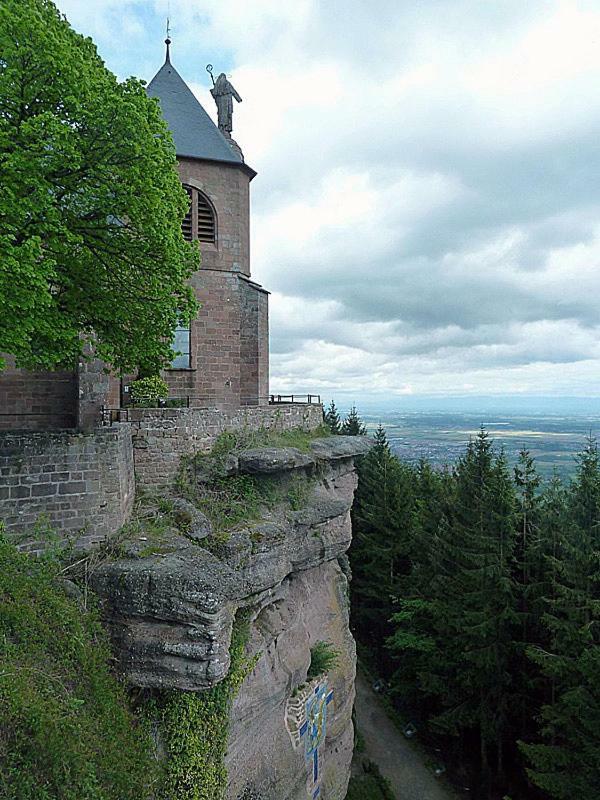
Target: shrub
column 148, row 390
column 323, row 658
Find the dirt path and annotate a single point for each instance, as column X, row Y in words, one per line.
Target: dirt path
column 397, row 760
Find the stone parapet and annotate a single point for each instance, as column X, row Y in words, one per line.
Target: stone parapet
column 81, row 485
column 162, row 436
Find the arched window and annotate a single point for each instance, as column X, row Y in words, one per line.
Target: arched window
column 200, row 222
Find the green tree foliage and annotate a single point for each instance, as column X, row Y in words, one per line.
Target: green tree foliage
column 382, row 523
column 353, row 425
column 462, row 624
column 91, row 248
column 323, row 658
column 370, row 785
column 567, row 762
column 331, row 418
column 66, row 732
column 495, row 614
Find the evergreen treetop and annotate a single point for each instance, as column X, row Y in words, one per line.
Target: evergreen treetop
column 353, row 425
column 331, row 418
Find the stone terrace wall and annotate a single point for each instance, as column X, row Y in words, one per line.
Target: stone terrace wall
column 37, row 401
column 161, row 437
column 83, row 484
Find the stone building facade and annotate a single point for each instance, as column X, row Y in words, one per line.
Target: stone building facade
column 224, row 355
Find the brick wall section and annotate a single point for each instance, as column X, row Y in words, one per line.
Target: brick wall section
column 215, row 339
column 82, row 482
column 37, row 401
column 253, row 300
column 228, row 188
column 229, row 338
column 161, row 437
column 96, row 389
column 230, row 344
column 263, row 344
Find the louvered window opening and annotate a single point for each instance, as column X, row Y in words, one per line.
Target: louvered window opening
column 206, row 220
column 199, row 223
column 186, row 225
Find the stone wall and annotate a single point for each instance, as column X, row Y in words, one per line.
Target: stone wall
column 263, row 344
column 161, row 437
column 229, row 345
column 228, row 188
column 96, row 389
column 229, row 341
column 37, row 401
column 81, row 483
column 254, row 344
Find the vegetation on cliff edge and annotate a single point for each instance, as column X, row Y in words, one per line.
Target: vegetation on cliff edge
column 66, row 730
column 195, row 729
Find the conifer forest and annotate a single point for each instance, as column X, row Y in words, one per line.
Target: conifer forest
column 476, row 595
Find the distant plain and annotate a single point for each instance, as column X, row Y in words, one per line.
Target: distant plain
column 441, row 437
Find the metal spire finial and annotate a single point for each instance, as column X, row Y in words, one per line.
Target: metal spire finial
column 168, row 42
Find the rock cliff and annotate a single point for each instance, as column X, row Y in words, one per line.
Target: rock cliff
column 170, row 600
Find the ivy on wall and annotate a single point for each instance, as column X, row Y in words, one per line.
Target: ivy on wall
column 195, row 729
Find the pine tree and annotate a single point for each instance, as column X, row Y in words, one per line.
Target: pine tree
column 532, row 571
column 467, row 622
column 414, row 637
column 353, row 425
column 332, row 419
column 566, row 763
column 380, row 552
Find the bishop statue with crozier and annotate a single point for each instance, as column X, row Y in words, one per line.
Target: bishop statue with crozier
column 223, row 93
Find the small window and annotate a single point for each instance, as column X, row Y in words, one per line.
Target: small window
column 181, row 345
column 200, row 222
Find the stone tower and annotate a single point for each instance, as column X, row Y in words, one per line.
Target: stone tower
column 224, row 359
column 224, row 355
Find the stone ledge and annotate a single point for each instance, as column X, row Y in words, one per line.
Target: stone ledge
column 170, row 604
column 268, row 460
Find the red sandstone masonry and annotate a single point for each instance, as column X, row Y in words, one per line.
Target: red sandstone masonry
column 37, row 400
column 162, row 437
column 82, row 484
column 228, row 188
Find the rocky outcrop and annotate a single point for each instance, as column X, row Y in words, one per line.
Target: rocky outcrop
column 170, row 605
column 262, row 760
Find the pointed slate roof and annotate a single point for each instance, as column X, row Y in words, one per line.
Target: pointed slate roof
column 194, row 132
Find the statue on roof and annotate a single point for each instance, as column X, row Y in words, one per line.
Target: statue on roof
column 223, row 93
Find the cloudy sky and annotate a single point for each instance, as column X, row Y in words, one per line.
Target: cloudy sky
column 427, row 209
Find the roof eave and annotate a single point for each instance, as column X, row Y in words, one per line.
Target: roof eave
column 236, row 164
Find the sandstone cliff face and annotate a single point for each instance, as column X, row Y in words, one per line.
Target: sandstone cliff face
column 262, row 762
column 171, row 607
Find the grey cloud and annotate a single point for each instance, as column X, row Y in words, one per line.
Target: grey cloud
column 421, row 294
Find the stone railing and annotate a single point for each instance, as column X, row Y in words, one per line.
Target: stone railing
column 162, row 436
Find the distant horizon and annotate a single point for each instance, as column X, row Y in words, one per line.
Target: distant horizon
column 467, row 404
